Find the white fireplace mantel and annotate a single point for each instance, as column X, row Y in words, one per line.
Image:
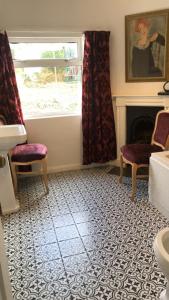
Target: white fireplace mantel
column 121, row 102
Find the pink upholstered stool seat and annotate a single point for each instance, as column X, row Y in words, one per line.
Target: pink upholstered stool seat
column 28, row 152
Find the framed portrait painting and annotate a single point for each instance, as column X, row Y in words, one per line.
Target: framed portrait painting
column 147, row 46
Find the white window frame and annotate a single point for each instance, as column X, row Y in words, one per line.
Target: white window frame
column 47, row 37
column 49, row 62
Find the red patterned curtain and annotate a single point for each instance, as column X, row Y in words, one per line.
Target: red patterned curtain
column 99, row 139
column 10, row 106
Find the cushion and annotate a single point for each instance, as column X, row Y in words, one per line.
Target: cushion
column 28, row 152
column 139, row 153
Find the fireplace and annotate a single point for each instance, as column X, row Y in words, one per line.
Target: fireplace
column 140, row 121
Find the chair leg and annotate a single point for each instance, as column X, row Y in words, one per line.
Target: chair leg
column 121, row 169
column 134, row 174
column 14, row 177
column 45, row 178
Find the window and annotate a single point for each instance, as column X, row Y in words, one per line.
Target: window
column 48, row 73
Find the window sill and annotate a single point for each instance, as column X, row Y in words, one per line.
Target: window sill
column 53, row 116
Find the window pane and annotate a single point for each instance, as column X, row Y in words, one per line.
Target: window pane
column 46, row 91
column 28, row 51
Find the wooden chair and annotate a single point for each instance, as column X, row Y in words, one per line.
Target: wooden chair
column 27, row 155
column 138, row 155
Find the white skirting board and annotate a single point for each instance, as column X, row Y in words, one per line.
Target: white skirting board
column 72, row 167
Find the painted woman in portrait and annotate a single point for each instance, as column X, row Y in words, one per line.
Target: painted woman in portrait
column 146, row 50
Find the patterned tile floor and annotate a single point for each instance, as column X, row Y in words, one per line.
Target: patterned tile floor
column 85, row 240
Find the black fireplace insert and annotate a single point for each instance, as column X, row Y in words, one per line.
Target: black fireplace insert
column 140, row 123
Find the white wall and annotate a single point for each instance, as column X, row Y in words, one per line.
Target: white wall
column 62, row 136
column 77, row 16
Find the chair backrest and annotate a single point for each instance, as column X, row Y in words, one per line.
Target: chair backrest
column 160, row 135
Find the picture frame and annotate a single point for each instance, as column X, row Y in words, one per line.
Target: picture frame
column 146, row 46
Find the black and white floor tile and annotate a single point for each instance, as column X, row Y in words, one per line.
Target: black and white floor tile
column 84, row 240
